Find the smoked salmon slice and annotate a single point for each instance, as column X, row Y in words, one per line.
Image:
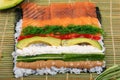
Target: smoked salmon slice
column 61, row 10
column 43, row 13
column 59, row 64
column 33, row 11
column 64, row 22
column 58, row 10
column 79, row 13
column 29, row 10
column 90, row 9
column 84, row 9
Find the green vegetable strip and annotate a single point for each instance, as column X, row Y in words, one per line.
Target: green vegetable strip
column 41, row 55
column 39, row 58
column 108, row 76
column 118, row 77
column 77, row 57
column 108, row 71
column 64, row 57
column 80, row 29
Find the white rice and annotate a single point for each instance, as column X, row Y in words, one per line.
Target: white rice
column 76, row 49
column 36, row 49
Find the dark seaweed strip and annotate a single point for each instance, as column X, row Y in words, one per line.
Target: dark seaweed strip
column 19, row 14
column 98, row 15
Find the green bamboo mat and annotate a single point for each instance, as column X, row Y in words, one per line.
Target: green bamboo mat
column 110, row 10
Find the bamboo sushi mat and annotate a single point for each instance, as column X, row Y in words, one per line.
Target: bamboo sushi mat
column 110, row 11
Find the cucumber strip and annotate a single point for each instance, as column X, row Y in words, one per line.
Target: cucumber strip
column 40, row 55
column 77, row 57
column 64, row 57
column 39, row 58
column 109, row 70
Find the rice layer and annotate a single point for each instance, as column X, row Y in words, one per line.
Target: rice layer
column 36, row 49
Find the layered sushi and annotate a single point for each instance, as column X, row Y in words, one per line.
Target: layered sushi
column 58, row 38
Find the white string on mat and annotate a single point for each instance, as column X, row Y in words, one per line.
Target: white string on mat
column 49, row 1
column 91, row 76
column 67, row 76
column 28, row 1
column 3, row 35
column 69, row 1
column 21, row 78
column 112, row 35
column 46, row 77
column 89, row 0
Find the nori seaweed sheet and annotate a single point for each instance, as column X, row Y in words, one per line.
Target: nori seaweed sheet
column 98, row 15
column 19, row 14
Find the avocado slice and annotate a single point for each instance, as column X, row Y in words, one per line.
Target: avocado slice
column 47, row 40
column 5, row 4
column 75, row 41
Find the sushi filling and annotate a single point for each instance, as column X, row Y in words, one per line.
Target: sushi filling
column 35, row 49
column 28, row 60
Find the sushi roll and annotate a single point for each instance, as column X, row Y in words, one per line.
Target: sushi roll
column 58, row 38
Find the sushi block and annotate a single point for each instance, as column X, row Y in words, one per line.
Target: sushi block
column 58, row 38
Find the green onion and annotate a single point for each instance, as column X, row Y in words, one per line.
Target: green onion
column 80, row 29
column 110, row 72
